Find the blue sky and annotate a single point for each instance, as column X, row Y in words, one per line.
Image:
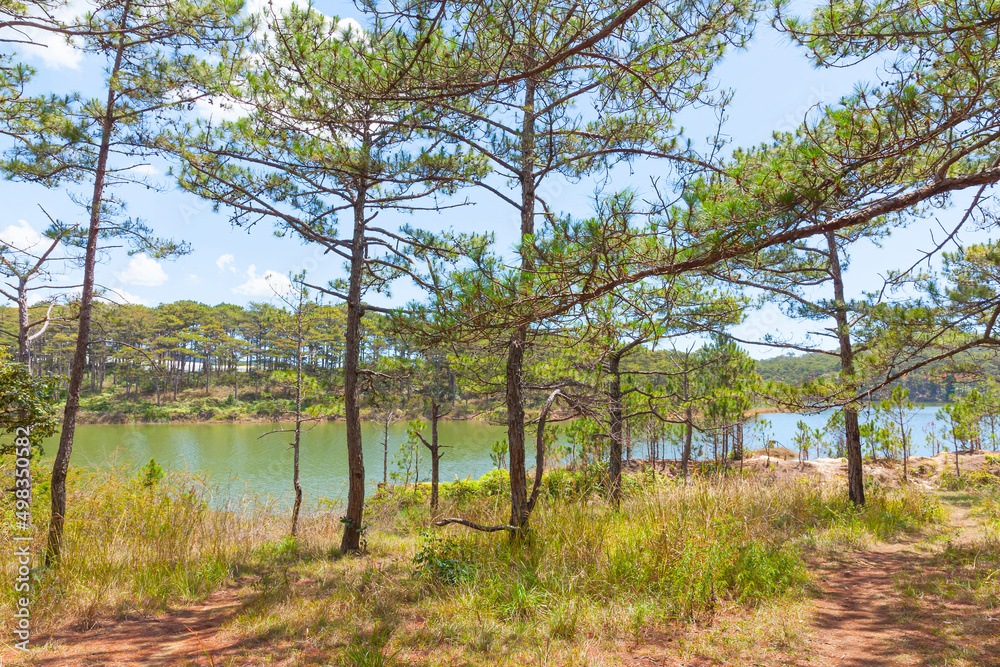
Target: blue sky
column 775, row 86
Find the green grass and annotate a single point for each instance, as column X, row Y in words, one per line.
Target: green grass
column 987, row 508
column 135, row 545
column 587, row 574
column 955, row 594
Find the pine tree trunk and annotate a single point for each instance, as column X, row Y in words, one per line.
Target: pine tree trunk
column 688, row 438
column 852, row 432
column 515, row 353
column 351, row 541
column 296, row 484
column 615, row 456
column 23, row 344
column 60, row 465
column 435, row 453
column 385, row 453
column 628, row 441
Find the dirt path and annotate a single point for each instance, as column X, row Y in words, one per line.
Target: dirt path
column 189, row 636
column 909, row 604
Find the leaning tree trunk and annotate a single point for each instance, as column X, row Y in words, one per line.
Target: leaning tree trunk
column 852, row 431
column 351, row 542
column 60, row 465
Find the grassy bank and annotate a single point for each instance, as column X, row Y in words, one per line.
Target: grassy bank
column 191, row 406
column 194, row 405
column 218, row 406
column 670, row 556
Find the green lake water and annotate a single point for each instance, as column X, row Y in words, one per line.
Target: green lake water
column 234, row 460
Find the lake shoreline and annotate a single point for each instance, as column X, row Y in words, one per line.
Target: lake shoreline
column 116, row 418
column 125, row 419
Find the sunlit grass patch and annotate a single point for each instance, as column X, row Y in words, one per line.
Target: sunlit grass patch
column 133, row 548
column 589, row 578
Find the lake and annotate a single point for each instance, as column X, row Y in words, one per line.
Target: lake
column 234, row 456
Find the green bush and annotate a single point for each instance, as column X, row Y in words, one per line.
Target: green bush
column 493, row 483
column 285, row 550
column 443, row 560
column 150, row 474
column 970, row 479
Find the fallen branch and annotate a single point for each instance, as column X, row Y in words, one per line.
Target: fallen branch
column 475, row 526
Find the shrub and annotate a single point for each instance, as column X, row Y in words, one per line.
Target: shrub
column 150, row 474
column 443, row 560
column 970, row 479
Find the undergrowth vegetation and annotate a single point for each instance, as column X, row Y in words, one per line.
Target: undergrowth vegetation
column 136, row 544
column 987, row 508
column 110, row 406
column 668, row 554
column 968, row 480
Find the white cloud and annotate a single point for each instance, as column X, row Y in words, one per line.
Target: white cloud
column 226, row 261
column 260, row 6
column 145, row 170
column 52, row 49
column 265, row 286
column 220, row 110
column 214, row 109
column 143, row 270
column 348, row 27
column 265, row 9
column 113, row 295
column 192, row 279
column 20, row 236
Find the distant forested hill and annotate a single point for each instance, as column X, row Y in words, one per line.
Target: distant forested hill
column 797, row 369
column 935, row 383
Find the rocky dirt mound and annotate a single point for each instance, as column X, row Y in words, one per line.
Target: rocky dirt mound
column 774, row 452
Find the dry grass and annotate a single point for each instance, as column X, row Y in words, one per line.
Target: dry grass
column 680, row 571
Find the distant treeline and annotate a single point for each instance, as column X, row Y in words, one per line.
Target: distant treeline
column 154, row 353
column 173, row 346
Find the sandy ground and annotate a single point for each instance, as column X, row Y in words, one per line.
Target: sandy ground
column 922, row 470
